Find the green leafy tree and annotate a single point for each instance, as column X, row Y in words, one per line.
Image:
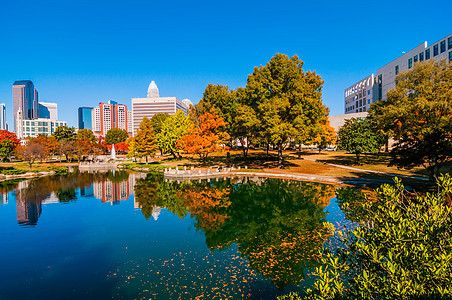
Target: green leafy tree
column 157, row 121
column 222, row 100
column 86, row 134
column 116, row 136
column 357, row 136
column 64, row 133
column 173, row 129
column 145, row 143
column 402, row 250
column 418, row 114
column 245, row 126
column 286, row 99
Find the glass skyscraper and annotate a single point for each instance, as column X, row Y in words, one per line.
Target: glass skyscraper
column 84, row 118
column 25, row 98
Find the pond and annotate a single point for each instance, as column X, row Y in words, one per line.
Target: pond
column 120, row 235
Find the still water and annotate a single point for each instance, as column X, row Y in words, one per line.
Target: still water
column 120, row 235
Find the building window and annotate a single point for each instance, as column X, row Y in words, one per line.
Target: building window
column 368, row 92
column 450, row 56
column 415, row 58
column 443, row 46
column 449, row 42
column 427, row 54
column 410, row 63
column 397, row 69
column 421, row 56
column 435, row 50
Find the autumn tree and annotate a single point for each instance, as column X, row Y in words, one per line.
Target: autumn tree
column 115, row 136
column 144, row 143
column 31, row 151
column 222, row 100
column 206, row 137
column 8, row 144
column 157, row 121
column 357, row 136
column 173, row 129
column 132, row 150
column 418, row 114
column 86, row 134
column 326, row 135
column 286, row 99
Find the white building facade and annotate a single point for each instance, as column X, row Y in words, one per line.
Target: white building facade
column 33, row 128
column 3, row 125
column 375, row 87
column 152, row 105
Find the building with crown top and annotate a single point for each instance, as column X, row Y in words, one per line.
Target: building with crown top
column 152, row 105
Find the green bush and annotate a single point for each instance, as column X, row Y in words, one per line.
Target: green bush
column 12, row 171
column 403, row 250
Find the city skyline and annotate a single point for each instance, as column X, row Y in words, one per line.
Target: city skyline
column 112, row 53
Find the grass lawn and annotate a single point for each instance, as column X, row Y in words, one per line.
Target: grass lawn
column 37, row 167
column 258, row 160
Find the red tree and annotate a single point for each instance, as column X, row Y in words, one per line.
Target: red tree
column 8, row 143
column 206, row 138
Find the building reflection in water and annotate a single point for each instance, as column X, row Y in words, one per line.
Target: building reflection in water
column 110, row 187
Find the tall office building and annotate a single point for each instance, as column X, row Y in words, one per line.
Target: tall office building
column 3, row 117
column 25, row 97
column 360, row 95
column 85, row 118
column 154, row 104
column 110, row 115
column 48, row 110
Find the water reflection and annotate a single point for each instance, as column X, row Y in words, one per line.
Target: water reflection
column 277, row 225
column 111, row 187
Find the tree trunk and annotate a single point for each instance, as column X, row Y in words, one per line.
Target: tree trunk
column 268, row 148
column 146, row 160
column 357, row 158
column 387, row 144
column 280, row 157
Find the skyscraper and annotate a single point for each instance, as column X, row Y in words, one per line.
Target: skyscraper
column 3, row 116
column 25, row 97
column 110, row 115
column 48, row 110
column 154, row 104
column 85, row 118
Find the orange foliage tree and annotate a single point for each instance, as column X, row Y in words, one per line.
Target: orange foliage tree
column 206, row 137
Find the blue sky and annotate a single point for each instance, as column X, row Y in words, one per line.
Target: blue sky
column 78, row 53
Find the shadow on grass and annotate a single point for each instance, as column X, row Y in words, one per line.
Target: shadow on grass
column 252, row 161
column 373, row 180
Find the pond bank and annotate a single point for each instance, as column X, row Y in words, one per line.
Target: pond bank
column 27, row 175
column 208, row 173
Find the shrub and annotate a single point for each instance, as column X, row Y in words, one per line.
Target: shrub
column 12, row 171
column 402, row 251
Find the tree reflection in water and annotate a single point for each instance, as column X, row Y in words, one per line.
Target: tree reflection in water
column 277, row 225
